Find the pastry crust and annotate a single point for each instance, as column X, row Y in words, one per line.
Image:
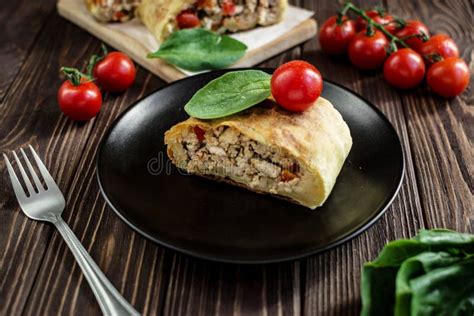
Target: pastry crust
column 157, row 14
column 318, row 139
column 112, row 10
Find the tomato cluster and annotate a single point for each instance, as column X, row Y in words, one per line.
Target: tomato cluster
column 404, row 49
column 80, row 98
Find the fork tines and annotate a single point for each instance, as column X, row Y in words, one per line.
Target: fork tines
column 30, row 190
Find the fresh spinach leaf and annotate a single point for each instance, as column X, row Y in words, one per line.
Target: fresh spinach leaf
column 415, row 267
column 387, row 282
column 377, row 290
column 445, row 291
column 199, row 49
column 395, row 252
column 231, row 93
column 445, row 238
column 378, row 276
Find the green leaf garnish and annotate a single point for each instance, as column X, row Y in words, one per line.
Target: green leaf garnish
column 430, row 274
column 200, row 49
column 231, row 93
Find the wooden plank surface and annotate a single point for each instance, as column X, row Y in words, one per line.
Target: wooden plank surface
column 23, row 21
column 441, row 130
column 38, row 275
column 76, row 12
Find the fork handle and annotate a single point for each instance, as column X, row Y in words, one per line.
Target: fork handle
column 110, row 300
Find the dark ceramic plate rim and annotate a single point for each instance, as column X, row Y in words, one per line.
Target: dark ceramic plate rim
column 355, row 232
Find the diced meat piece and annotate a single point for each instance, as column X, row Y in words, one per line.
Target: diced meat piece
column 241, row 22
column 267, row 12
column 233, row 151
column 229, row 136
column 266, row 168
column 251, row 5
column 216, row 150
column 218, row 131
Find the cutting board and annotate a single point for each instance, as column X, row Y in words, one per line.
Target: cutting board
column 76, row 12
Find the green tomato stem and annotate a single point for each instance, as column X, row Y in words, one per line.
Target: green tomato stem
column 105, row 51
column 95, row 59
column 433, row 57
column 341, row 15
column 91, row 64
column 370, row 30
column 74, row 75
column 350, row 7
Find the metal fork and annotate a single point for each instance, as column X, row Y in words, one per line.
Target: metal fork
column 47, row 204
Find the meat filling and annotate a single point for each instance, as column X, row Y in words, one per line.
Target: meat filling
column 225, row 152
column 231, row 15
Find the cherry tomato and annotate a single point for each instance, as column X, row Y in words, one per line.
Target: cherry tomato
column 115, row 73
column 440, row 44
column 335, row 38
column 296, row 85
column 404, row 69
column 80, row 102
column 361, row 23
column 412, row 28
column 368, row 52
column 448, row 77
column 187, row 20
column 228, row 7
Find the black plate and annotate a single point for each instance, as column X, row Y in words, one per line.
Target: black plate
column 221, row 222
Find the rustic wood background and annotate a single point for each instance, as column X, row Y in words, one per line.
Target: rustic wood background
column 38, row 274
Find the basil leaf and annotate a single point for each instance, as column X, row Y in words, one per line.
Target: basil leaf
column 200, row 49
column 231, row 93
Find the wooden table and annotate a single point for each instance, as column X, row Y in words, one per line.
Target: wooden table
column 38, row 274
